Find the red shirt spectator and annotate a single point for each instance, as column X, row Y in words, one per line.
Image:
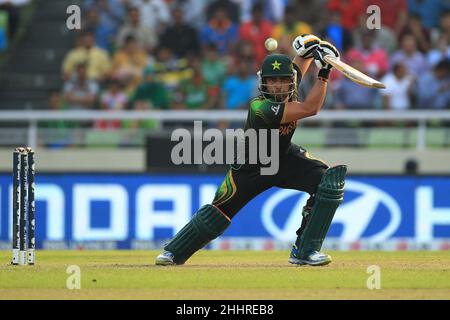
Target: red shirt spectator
column 350, row 10
column 393, row 12
column 256, row 31
column 414, row 26
column 375, row 60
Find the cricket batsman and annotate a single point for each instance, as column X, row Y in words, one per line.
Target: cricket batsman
column 276, row 108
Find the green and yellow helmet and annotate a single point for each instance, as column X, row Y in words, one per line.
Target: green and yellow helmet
column 277, row 65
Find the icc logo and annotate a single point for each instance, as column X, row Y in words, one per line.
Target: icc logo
column 355, row 215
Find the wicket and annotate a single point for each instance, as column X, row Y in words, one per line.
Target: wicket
column 24, row 222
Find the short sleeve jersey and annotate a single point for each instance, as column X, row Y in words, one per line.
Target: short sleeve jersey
column 264, row 114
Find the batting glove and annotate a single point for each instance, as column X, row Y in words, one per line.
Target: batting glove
column 305, row 45
column 325, row 48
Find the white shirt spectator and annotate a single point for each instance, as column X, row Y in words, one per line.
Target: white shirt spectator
column 194, row 12
column 80, row 94
column 436, row 55
column 153, row 13
column 397, row 91
column 273, row 9
column 416, row 63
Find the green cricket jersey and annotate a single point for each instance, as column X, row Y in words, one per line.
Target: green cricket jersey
column 264, row 114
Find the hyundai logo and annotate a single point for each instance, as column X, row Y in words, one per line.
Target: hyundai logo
column 354, row 215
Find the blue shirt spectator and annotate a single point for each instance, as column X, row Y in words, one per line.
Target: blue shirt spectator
column 3, row 39
column 350, row 96
column 220, row 31
column 408, row 54
column 104, row 34
column 111, row 12
column 442, row 51
column 104, row 17
column 428, row 10
column 434, row 87
column 239, row 89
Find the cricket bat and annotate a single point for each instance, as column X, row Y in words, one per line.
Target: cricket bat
column 353, row 74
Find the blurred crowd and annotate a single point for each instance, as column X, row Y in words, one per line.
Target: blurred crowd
column 200, row 54
column 9, row 20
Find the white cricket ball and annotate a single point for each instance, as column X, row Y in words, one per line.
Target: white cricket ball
column 271, row 44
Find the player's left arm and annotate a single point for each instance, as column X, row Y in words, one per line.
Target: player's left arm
column 313, row 103
column 302, row 64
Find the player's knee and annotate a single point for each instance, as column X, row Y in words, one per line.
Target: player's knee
column 335, row 174
column 316, row 177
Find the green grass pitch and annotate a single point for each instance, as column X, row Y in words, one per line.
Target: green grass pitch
column 227, row 275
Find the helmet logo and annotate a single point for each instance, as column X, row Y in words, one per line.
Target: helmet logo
column 276, row 65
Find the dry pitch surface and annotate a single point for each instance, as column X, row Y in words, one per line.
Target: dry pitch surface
column 227, row 275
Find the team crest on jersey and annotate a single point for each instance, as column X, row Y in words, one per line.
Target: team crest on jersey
column 276, row 109
column 286, row 129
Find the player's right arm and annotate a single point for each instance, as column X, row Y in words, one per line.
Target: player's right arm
column 296, row 110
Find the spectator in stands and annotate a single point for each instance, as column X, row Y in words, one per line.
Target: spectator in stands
column 194, row 12
column 114, row 98
column 375, row 60
column 413, row 59
column 230, row 6
column 110, row 18
column 256, row 31
column 444, row 29
column 238, row 89
column 151, row 94
column 97, row 59
column 170, row 70
column 57, row 133
column 351, row 96
column 195, row 92
column 394, row 14
column 335, row 32
column 115, row 8
column 351, row 11
column 104, row 33
column 433, row 88
column 383, row 38
column 310, row 12
column 444, row 24
column 214, row 70
column 3, row 31
column 12, row 9
column 428, row 10
column 146, row 37
column 81, row 92
column 273, row 10
column 221, row 31
column 290, row 27
column 129, row 63
column 414, row 27
column 155, row 14
column 245, row 51
column 398, row 90
column 442, row 51
column 55, row 100
column 180, row 38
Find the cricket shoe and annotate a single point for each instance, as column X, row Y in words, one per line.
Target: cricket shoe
column 165, row 258
column 315, row 258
